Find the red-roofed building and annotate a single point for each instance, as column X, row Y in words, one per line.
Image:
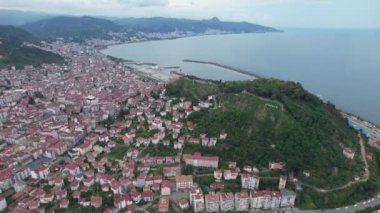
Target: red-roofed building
column 163, row 204
column 147, row 196
column 96, row 201
column 198, row 160
column 89, row 181
column 64, row 203
column 6, row 178
column 276, row 165
column 265, row 199
column 73, row 169
column 197, row 200
column 227, row 201
column 136, row 196
column 183, row 182
column 61, row 194
column 241, row 201
column 165, row 187
column 212, row 202
column 171, row 171
column 41, row 172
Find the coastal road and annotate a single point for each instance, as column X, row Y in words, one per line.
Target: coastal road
column 348, row 209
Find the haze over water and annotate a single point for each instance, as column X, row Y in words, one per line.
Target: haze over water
column 341, row 66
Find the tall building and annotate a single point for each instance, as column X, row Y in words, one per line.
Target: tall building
column 265, row 199
column 227, row 201
column 183, row 182
column 282, row 183
column 261, row 199
column 212, row 202
column 197, row 201
column 242, row 201
column 287, row 198
column 249, row 181
column 163, row 204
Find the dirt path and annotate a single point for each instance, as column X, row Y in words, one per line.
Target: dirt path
column 365, row 178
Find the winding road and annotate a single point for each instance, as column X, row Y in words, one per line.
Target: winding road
column 365, row 178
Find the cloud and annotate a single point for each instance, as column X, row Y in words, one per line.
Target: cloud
column 145, row 3
column 266, row 12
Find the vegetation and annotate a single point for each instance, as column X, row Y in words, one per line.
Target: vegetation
column 166, row 25
column 193, row 89
column 158, row 150
column 77, row 28
column 14, row 53
column 232, row 185
column 118, row 152
column 205, row 181
column 145, row 134
column 271, row 120
column 369, row 209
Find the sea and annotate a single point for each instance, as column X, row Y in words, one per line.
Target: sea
column 339, row 65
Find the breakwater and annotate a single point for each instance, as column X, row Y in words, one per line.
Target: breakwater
column 224, row 67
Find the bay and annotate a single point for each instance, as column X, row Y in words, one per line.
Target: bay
column 342, row 66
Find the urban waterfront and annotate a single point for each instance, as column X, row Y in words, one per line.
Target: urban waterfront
column 338, row 65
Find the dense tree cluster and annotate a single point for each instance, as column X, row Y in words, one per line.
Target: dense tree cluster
column 273, row 120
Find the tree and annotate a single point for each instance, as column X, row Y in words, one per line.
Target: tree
column 38, row 94
column 31, row 101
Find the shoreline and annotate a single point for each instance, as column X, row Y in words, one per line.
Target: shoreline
column 230, row 68
column 183, row 37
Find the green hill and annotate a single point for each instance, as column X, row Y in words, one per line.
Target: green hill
column 272, row 120
column 14, row 53
column 79, row 28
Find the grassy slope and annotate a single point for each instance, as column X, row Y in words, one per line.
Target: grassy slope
column 306, row 134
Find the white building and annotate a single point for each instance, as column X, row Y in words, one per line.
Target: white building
column 288, row 198
column 3, row 204
column 227, row 201
column 212, row 202
column 249, row 181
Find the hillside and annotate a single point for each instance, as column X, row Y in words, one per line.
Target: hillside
column 14, row 53
column 81, row 28
column 270, row 120
column 165, row 25
column 72, row 27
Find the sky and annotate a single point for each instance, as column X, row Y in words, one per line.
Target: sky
column 276, row 13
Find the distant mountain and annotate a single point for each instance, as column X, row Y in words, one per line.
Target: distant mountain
column 73, row 27
column 165, row 25
column 17, row 18
column 88, row 27
column 14, row 53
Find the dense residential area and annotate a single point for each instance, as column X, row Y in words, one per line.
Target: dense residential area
column 95, row 135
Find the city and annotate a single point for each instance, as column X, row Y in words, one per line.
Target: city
column 75, row 133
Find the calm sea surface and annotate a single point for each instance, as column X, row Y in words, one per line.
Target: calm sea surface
column 342, row 66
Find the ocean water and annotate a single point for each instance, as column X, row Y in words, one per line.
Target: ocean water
column 342, row 66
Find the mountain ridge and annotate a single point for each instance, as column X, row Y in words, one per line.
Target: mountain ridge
column 13, row 52
column 87, row 27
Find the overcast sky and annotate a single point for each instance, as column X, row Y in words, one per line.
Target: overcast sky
column 277, row 13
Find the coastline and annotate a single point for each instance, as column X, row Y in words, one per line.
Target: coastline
column 234, row 69
column 182, row 37
column 99, row 50
column 223, row 66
